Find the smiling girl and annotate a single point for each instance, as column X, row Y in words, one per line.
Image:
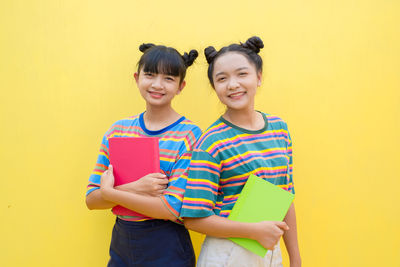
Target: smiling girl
column 241, row 142
column 158, row 238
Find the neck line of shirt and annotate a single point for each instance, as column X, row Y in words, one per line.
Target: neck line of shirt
column 246, row 130
column 157, row 132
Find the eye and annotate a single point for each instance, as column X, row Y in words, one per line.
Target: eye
column 242, row 73
column 149, row 74
column 221, row 79
column 170, row 78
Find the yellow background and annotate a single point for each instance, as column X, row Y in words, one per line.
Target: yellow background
column 331, row 71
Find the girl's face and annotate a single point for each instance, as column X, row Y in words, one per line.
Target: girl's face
column 235, row 81
column 158, row 89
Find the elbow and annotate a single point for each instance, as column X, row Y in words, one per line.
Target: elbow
column 89, row 204
column 90, row 199
column 168, row 215
column 163, row 215
column 171, row 217
column 188, row 222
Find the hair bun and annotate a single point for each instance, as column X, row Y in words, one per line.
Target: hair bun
column 189, row 58
column 144, row 47
column 253, row 43
column 210, row 54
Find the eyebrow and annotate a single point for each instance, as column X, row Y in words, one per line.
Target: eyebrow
column 238, row 69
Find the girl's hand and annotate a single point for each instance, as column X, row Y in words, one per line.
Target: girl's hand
column 107, row 179
column 152, row 184
column 268, row 233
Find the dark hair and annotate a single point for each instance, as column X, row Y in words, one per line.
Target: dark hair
column 165, row 60
column 249, row 49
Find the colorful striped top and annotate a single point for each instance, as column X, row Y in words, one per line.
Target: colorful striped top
column 226, row 155
column 175, row 144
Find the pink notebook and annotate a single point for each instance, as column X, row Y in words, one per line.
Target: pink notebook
column 132, row 158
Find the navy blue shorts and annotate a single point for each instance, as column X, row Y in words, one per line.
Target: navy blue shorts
column 150, row 243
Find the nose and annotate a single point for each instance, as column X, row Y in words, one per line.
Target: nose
column 157, row 83
column 233, row 84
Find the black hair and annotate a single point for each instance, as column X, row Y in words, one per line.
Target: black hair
column 165, row 60
column 249, row 49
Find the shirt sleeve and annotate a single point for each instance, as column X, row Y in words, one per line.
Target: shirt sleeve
column 202, row 185
column 173, row 195
column 101, row 165
column 290, row 167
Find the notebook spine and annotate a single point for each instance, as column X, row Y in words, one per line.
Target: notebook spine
column 157, row 159
column 238, row 205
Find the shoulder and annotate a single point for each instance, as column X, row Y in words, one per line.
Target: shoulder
column 183, row 132
column 190, row 125
column 278, row 126
column 123, row 125
column 275, row 122
column 213, row 133
column 187, row 127
column 127, row 120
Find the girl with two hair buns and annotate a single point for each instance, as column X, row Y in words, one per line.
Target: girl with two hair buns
column 158, row 237
column 241, row 142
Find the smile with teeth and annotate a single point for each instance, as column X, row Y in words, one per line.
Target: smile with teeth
column 236, row 95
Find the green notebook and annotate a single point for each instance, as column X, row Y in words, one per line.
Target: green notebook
column 259, row 201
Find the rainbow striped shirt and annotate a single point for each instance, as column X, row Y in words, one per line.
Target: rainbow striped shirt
column 176, row 143
column 226, row 155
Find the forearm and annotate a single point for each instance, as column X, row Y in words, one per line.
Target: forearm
column 147, row 205
column 95, row 201
column 267, row 233
column 290, row 237
column 219, row 227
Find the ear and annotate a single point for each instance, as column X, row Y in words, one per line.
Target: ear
column 181, row 86
column 136, row 75
column 259, row 78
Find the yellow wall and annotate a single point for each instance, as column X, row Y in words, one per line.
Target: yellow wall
column 331, row 70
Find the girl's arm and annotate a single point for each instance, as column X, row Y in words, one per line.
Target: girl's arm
column 267, row 233
column 290, row 238
column 95, row 201
column 152, row 184
column 149, row 205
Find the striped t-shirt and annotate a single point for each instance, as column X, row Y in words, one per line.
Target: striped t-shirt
column 176, row 142
column 226, row 155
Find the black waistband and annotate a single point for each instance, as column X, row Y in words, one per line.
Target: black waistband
column 147, row 223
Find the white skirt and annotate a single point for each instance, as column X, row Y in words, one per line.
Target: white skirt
column 221, row 252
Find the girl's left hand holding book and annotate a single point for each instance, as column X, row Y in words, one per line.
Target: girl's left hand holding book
column 107, row 179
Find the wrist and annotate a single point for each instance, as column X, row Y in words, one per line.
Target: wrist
column 251, row 231
column 295, row 261
column 128, row 187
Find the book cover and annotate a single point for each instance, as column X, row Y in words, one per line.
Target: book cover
column 259, row 201
column 132, row 158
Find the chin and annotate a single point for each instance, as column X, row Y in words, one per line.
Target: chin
column 238, row 106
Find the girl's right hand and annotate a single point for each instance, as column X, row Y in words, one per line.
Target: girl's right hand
column 268, row 233
column 152, row 184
